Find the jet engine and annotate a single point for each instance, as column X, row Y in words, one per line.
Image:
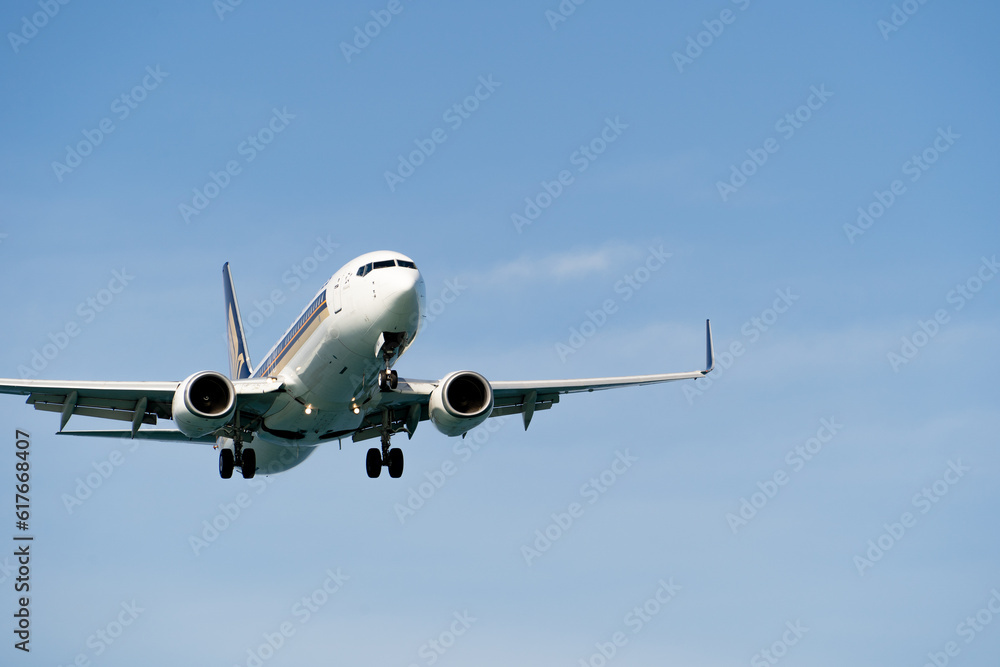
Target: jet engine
column 462, row 401
column 204, row 403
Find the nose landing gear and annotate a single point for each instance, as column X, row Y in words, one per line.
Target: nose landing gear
column 388, row 379
column 389, row 346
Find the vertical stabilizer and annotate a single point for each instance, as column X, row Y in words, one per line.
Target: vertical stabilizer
column 239, row 357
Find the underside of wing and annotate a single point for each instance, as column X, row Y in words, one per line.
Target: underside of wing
column 548, row 387
column 158, row 434
column 409, row 405
column 404, row 408
column 137, row 403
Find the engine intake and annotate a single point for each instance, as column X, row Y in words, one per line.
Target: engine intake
column 462, row 401
column 203, row 403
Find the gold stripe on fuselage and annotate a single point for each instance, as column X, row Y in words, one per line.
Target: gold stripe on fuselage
column 297, row 339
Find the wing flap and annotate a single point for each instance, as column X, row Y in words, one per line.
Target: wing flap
column 100, row 413
column 158, row 434
column 519, row 409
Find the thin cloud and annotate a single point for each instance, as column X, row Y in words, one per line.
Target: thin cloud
column 572, row 265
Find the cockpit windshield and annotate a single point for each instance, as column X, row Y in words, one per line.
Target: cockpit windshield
column 384, row 264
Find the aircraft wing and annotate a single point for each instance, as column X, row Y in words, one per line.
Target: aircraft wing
column 135, row 402
column 408, row 403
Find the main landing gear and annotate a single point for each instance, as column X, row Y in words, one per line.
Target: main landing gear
column 392, row 459
column 245, row 458
column 388, row 457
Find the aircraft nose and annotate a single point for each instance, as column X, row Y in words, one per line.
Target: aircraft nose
column 404, row 291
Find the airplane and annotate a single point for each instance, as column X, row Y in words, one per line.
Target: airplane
column 328, row 378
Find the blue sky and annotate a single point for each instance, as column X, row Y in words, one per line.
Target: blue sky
column 455, row 582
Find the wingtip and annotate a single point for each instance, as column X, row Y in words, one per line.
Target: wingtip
column 709, row 348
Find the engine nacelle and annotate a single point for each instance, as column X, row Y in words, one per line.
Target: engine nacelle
column 203, row 403
column 462, row 401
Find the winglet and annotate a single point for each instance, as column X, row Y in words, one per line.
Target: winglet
column 239, row 357
column 709, row 348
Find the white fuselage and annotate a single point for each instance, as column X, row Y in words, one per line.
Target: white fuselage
column 329, row 359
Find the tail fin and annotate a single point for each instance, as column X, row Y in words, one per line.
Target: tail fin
column 239, row 358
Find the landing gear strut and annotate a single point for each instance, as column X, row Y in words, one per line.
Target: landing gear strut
column 388, row 456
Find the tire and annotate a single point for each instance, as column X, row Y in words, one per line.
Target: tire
column 373, row 463
column 393, row 379
column 226, row 463
column 395, row 462
column 249, row 466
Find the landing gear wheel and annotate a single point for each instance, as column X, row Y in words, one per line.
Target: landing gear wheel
column 373, row 462
column 388, row 380
column 226, row 463
column 249, row 464
column 395, row 462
